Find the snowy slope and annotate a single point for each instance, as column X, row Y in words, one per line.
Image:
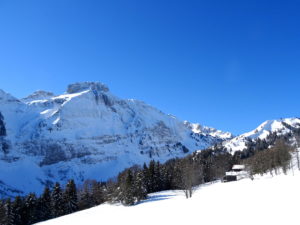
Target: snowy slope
column 265, row 200
column 199, row 129
column 86, row 133
column 280, row 126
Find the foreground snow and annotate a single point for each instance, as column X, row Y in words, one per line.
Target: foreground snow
column 265, row 200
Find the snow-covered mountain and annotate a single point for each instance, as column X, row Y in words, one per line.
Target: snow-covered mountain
column 280, row 127
column 199, row 129
column 86, row 133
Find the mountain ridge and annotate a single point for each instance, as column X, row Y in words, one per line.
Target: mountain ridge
column 279, row 126
column 86, row 133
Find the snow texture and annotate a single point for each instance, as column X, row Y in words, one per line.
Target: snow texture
column 265, row 200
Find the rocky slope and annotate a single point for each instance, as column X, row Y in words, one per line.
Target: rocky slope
column 86, row 133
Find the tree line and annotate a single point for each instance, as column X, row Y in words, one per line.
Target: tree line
column 31, row 209
column 129, row 187
column 133, row 184
column 277, row 157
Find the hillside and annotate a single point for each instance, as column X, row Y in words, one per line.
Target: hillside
column 265, row 200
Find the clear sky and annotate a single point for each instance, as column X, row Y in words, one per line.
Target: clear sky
column 226, row 64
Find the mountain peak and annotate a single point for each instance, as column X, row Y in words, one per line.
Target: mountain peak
column 198, row 128
column 87, row 133
column 38, row 95
column 4, row 96
column 83, row 86
column 279, row 126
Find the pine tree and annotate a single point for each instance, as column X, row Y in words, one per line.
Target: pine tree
column 97, row 193
column 157, row 181
column 128, row 195
column 151, row 176
column 45, row 205
column 17, row 207
column 85, row 200
column 70, row 197
column 140, row 191
column 57, row 201
column 2, row 212
column 146, row 175
column 30, row 209
column 8, row 220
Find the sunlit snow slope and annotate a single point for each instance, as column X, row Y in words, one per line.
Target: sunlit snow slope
column 265, row 200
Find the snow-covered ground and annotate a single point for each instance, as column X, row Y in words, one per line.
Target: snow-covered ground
column 265, row 200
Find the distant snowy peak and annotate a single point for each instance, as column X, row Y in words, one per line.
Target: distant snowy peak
column 204, row 130
column 38, row 95
column 280, row 126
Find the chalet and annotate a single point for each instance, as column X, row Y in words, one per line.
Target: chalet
column 238, row 172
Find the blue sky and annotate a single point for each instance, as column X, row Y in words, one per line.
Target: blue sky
column 226, row 64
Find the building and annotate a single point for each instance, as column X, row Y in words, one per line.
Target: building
column 238, row 172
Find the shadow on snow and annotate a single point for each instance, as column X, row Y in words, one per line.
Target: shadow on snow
column 155, row 198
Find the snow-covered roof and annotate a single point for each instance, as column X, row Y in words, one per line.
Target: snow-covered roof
column 238, row 167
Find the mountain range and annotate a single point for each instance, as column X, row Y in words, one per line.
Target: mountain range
column 89, row 133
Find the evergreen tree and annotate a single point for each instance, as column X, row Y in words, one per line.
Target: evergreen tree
column 85, row 200
column 128, row 195
column 97, row 193
column 157, row 181
column 140, row 191
column 146, row 175
column 45, row 205
column 9, row 219
column 70, row 197
column 151, row 176
column 30, row 210
column 2, row 212
column 124, row 191
column 57, row 201
column 17, row 207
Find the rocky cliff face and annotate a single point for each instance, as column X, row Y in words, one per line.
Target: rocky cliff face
column 86, row 133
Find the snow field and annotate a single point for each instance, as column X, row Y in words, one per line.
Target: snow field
column 265, row 200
